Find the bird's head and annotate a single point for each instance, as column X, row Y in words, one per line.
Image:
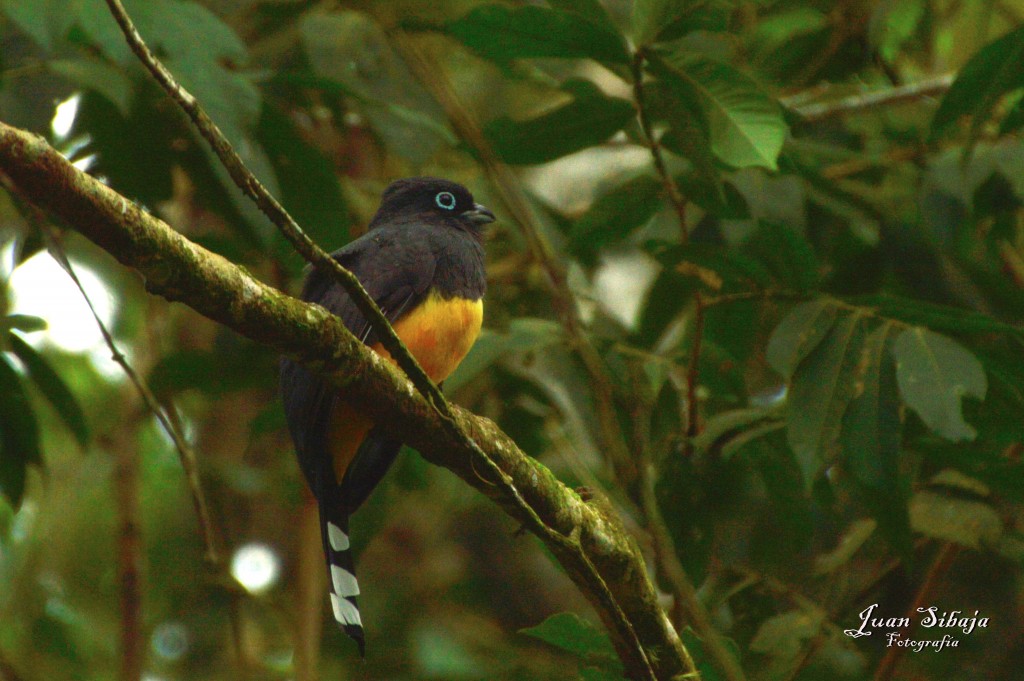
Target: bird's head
column 431, row 198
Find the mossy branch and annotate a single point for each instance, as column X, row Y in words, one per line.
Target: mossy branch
column 589, row 542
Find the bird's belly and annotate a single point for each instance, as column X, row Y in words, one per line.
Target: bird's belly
column 439, row 333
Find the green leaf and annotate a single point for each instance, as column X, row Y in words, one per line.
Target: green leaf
column 941, row 317
column 820, row 391
column 589, row 119
column 736, row 271
column 1014, row 119
column 661, row 20
column 599, row 674
column 799, row 333
column 22, row 322
column 893, row 24
column 52, row 387
column 351, row 50
column 504, row 33
column 215, row 373
column 590, row 9
column 849, row 543
column 967, row 522
column 93, row 74
column 934, row 374
column 870, row 439
column 45, row 21
column 96, row 21
column 784, row 635
column 677, row 102
column 872, row 425
column 746, row 125
column 786, row 254
column 19, row 434
column 524, row 335
column 615, row 214
column 995, row 70
column 209, row 64
column 729, row 430
column 573, row 634
column 309, row 182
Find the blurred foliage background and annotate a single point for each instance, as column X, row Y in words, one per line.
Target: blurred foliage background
column 804, row 297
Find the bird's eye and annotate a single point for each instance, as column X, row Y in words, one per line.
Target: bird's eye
column 445, row 200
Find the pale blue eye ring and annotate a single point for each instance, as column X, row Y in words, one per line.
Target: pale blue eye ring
column 445, row 200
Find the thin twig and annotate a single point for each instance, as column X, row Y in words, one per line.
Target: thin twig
column 693, row 371
column 129, row 555
column 185, row 452
column 936, row 571
column 813, row 113
column 683, row 589
column 675, row 197
column 687, row 603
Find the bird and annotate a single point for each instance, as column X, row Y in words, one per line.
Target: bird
column 422, row 261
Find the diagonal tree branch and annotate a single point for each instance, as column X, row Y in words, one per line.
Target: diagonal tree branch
column 590, row 543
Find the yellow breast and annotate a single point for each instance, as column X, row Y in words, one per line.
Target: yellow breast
column 439, row 333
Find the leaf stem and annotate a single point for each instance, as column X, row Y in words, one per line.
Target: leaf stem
column 675, row 197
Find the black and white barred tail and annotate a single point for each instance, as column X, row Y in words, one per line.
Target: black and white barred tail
column 342, row 577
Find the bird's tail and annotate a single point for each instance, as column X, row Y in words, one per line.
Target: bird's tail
column 340, row 570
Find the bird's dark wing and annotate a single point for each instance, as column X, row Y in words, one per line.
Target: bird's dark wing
column 396, row 269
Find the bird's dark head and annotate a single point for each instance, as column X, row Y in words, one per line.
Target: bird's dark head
column 430, row 198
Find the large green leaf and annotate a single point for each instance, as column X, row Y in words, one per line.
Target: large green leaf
column 941, row 317
column 615, row 214
column 22, row 322
column 934, row 374
column 19, row 434
column 352, row 50
column 209, row 64
column 52, row 387
column 96, row 75
column 569, row 632
column 784, row 636
column 995, row 70
column 799, row 333
column 504, row 33
column 676, row 102
column 46, row 21
column 820, row 392
column 662, row 20
column 872, row 424
column 309, row 182
column 573, row 634
column 96, row 21
column 746, row 125
column 786, row 254
column 870, row 438
column 893, row 24
column 965, row 521
column 523, row 335
column 589, row 119
column 590, row 9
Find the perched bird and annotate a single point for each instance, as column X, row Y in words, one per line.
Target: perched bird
column 422, row 261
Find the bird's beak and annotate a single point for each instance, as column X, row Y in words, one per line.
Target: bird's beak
column 480, row 215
